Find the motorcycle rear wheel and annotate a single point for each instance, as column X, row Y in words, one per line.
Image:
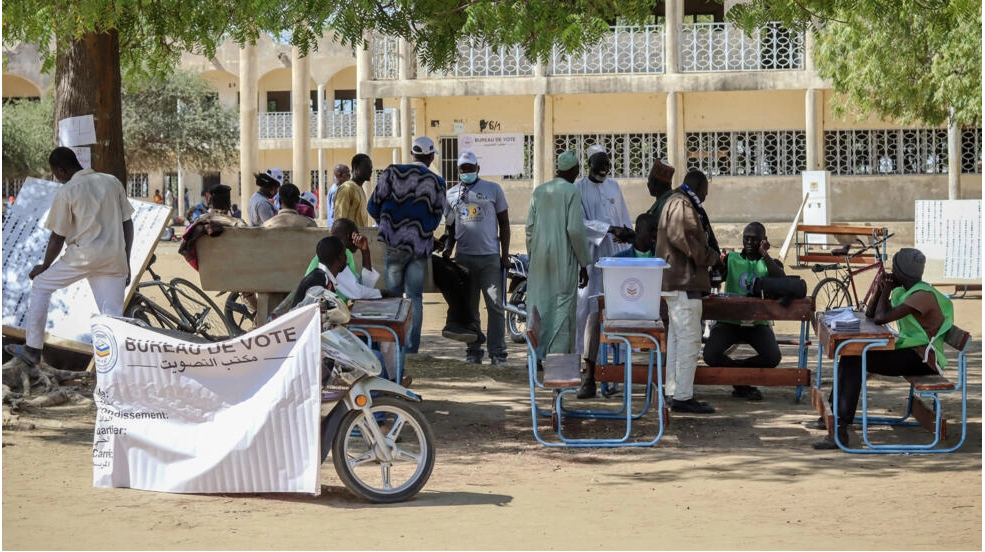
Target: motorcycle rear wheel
column 360, row 462
column 516, row 325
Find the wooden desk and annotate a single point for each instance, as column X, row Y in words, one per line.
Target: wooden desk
column 838, row 343
column 805, row 255
column 740, row 307
column 387, row 329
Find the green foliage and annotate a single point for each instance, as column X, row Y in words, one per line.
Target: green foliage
column 911, row 60
column 178, row 121
column 27, row 137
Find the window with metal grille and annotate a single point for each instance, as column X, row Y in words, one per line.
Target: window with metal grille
column 632, row 154
column 747, row 153
column 971, row 151
column 448, row 159
column 137, row 184
column 886, row 151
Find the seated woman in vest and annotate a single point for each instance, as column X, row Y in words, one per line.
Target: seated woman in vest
column 741, row 269
column 922, row 315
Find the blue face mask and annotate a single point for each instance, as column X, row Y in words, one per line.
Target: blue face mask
column 469, row 178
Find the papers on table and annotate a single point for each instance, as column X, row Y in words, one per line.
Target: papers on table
column 844, row 319
column 382, row 309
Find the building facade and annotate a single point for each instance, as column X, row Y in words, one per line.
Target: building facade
column 750, row 111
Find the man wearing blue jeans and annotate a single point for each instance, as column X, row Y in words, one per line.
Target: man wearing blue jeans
column 478, row 221
column 407, row 204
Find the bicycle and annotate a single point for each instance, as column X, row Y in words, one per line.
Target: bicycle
column 833, row 292
column 191, row 310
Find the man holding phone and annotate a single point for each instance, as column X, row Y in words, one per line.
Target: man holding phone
column 741, row 269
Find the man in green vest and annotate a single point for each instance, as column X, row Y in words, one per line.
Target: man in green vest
column 922, row 315
column 741, row 270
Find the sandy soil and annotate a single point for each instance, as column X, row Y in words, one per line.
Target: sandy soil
column 743, row 478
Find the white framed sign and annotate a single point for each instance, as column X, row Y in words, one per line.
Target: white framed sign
column 25, row 239
column 949, row 233
column 498, row 154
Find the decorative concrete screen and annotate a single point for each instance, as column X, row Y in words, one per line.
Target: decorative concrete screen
column 24, row 242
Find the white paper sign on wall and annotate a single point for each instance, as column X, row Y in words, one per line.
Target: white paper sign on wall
column 498, row 154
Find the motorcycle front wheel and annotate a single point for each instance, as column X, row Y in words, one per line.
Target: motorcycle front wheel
column 362, row 463
column 516, row 325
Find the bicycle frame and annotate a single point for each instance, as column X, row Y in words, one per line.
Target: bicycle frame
column 850, row 280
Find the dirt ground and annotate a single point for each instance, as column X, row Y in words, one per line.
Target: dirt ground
column 742, row 478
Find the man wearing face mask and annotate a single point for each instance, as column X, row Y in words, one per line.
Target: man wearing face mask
column 607, row 223
column 741, row 269
column 477, row 220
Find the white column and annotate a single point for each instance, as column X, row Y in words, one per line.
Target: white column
column 301, row 119
column 676, row 153
column 406, row 128
column 814, row 124
column 674, row 14
column 953, row 159
column 322, row 188
column 249, row 130
column 364, row 104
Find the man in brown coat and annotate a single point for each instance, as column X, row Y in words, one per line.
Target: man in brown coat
column 685, row 240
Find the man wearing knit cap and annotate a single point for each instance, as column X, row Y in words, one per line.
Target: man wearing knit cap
column 557, row 246
column 922, row 315
column 607, row 223
column 660, row 185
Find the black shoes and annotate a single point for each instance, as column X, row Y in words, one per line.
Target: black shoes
column 819, row 423
column 691, row 406
column 587, row 390
column 828, row 443
column 747, row 392
column 458, row 333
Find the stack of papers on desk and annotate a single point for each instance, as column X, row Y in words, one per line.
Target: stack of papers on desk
column 842, row 319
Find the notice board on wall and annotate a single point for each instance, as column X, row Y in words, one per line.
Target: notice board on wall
column 949, row 233
column 25, row 239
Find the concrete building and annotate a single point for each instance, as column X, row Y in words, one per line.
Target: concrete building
column 749, row 110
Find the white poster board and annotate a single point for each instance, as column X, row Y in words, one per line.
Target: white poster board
column 77, row 131
column 24, row 242
column 238, row 416
column 949, row 233
column 498, row 154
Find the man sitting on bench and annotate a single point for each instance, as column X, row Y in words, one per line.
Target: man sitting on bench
column 741, row 268
column 920, row 311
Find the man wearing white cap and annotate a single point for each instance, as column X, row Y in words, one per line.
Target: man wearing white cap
column 607, row 222
column 557, row 247
column 408, row 203
column 477, row 220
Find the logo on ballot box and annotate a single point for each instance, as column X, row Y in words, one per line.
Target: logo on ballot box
column 631, row 289
column 105, row 351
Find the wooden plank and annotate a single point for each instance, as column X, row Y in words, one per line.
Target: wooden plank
column 839, row 230
column 927, row 418
column 737, row 307
column 820, row 402
column 709, row 375
column 272, row 260
column 930, row 382
column 824, row 258
column 616, row 373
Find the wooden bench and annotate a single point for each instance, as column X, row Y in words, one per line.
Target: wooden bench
column 934, row 384
column 805, row 255
column 723, row 307
column 271, row 261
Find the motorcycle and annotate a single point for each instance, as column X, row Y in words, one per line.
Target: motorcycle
column 516, row 305
column 382, row 447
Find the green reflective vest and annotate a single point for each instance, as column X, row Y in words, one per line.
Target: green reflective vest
column 911, row 333
column 739, row 279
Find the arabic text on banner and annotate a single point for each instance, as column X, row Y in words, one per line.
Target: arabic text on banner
column 237, row 416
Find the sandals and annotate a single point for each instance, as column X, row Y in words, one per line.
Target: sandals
column 20, row 351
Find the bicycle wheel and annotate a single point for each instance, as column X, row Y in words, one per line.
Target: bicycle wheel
column 145, row 311
column 199, row 310
column 237, row 313
column 363, row 464
column 830, row 293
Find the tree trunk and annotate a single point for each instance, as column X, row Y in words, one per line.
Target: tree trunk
column 87, row 82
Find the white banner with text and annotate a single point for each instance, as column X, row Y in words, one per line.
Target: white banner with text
column 237, row 416
column 498, row 154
